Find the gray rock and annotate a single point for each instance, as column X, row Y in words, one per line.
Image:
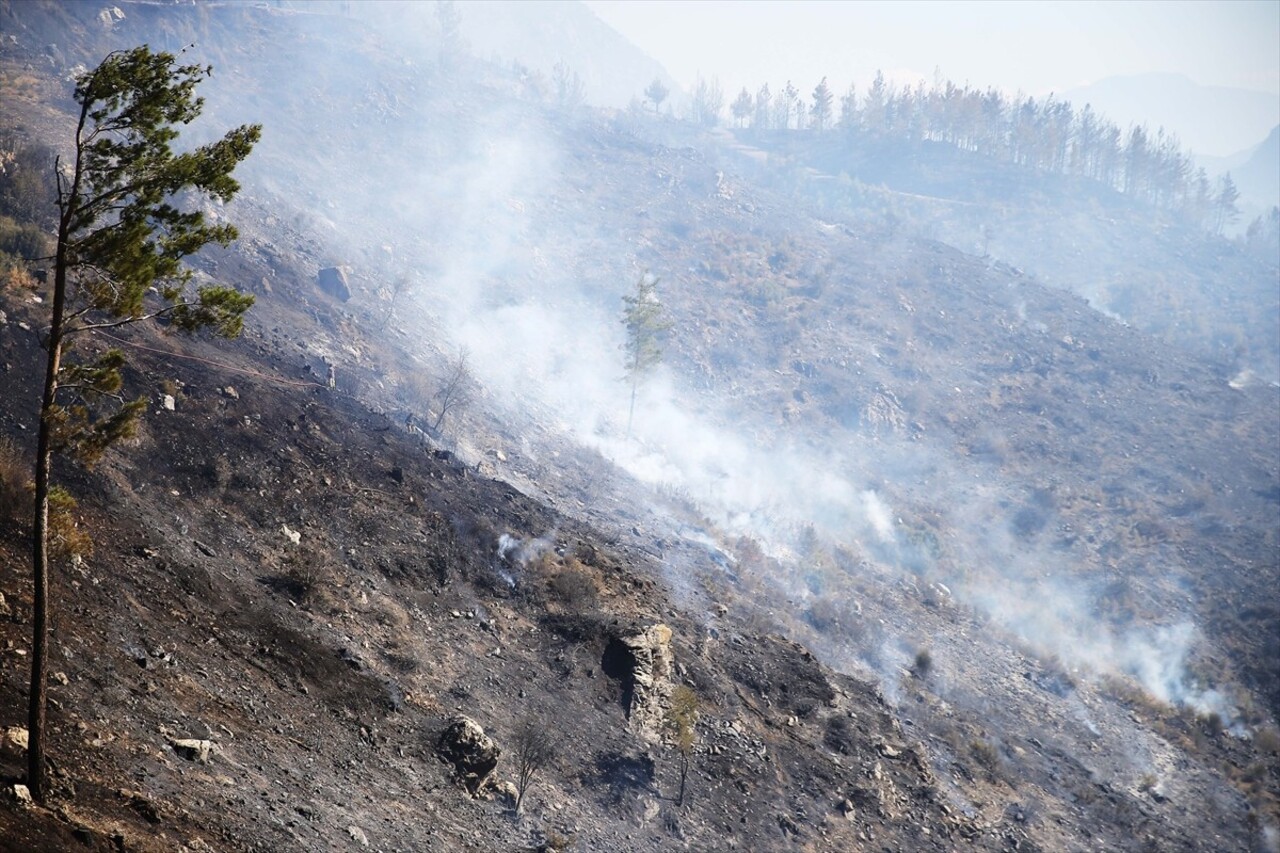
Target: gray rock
column 333, row 281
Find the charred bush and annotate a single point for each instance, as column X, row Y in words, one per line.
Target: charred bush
column 577, row 627
column 575, row 588
column 840, row 735
column 985, row 754
column 923, row 664
column 1029, row 521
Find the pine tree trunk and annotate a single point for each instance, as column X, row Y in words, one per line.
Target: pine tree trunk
column 40, row 561
column 40, row 617
column 631, row 413
column 36, row 711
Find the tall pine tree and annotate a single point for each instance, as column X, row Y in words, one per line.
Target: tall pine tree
column 121, row 235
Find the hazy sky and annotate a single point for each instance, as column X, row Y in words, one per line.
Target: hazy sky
column 1036, row 47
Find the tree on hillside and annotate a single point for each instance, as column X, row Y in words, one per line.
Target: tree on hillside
column 1225, row 209
column 1263, row 235
column 569, row 90
column 534, row 748
column 646, row 323
column 875, row 104
column 122, row 237
column 788, row 105
column 742, row 107
column 849, row 109
column 657, row 93
column 404, row 286
column 449, row 22
column 763, row 117
column 820, row 112
column 682, row 719
column 456, row 390
column 708, row 101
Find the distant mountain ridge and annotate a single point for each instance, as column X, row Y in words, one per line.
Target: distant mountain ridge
column 1212, row 120
column 540, row 35
column 1259, row 177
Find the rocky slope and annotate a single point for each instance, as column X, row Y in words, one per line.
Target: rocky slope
column 1040, row 545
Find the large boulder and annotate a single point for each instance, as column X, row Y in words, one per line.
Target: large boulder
column 472, row 753
column 333, row 281
column 642, row 660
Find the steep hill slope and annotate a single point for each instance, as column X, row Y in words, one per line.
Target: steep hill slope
column 1047, row 539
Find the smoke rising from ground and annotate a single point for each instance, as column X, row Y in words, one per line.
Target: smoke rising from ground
column 469, row 195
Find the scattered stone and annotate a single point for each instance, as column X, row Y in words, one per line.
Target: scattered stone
column 4, row 606
column 205, row 549
column 17, row 736
column 231, row 393
column 168, row 403
column 333, row 281
column 472, row 753
column 193, row 749
column 847, row 809
column 358, row 836
column 294, row 536
column 143, row 806
column 61, row 678
column 22, row 794
column 888, row 751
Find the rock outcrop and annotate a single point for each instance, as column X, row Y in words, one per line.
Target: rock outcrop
column 642, row 661
column 333, row 281
column 472, row 753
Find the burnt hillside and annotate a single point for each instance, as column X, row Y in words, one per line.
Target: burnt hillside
column 949, row 558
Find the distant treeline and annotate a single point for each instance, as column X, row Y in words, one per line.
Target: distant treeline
column 1047, row 134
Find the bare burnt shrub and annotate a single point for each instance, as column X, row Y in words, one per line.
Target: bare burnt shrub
column 923, row 664
column 15, row 485
column 575, row 588
column 306, row 576
column 841, row 735
column 986, row 755
column 584, row 628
